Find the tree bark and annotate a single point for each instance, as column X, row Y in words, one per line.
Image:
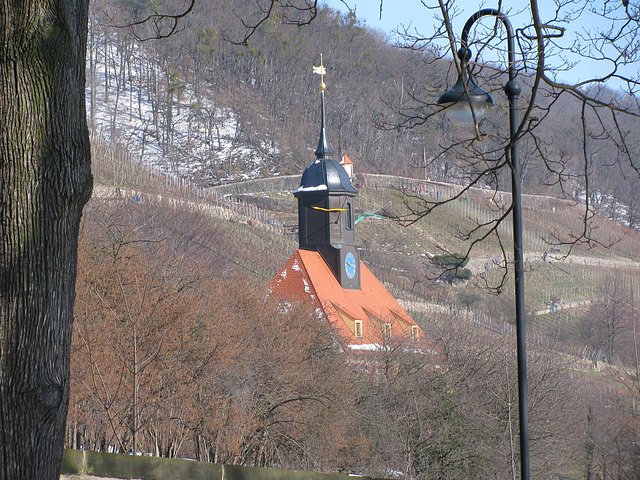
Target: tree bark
column 45, row 180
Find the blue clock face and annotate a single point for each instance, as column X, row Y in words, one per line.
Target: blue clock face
column 350, row 265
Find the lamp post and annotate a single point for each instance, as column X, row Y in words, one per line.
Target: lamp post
column 466, row 104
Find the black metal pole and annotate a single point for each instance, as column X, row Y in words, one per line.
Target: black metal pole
column 519, row 286
column 512, row 89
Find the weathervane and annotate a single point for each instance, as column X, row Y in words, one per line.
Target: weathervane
column 321, row 71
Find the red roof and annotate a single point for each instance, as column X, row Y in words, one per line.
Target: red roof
column 382, row 321
column 346, row 160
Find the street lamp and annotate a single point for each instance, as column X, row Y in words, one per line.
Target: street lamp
column 467, row 103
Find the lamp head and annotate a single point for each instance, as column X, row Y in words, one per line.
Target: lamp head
column 460, row 103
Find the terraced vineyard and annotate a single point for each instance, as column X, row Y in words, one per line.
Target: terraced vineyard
column 261, row 217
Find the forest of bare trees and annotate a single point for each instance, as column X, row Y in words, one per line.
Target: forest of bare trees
column 178, row 353
column 380, row 105
column 175, row 354
column 267, row 86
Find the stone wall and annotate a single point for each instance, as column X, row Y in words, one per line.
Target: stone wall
column 112, row 465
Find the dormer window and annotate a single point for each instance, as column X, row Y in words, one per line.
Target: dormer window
column 386, row 331
column 358, row 328
column 415, row 333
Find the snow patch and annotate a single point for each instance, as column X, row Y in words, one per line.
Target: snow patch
column 369, row 347
column 317, row 188
column 187, row 136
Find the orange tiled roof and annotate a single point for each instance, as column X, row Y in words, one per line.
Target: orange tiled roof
column 383, row 321
column 346, row 160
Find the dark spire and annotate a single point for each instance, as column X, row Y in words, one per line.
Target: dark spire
column 324, row 174
column 324, row 148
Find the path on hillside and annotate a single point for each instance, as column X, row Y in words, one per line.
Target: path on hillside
column 481, row 265
column 566, row 306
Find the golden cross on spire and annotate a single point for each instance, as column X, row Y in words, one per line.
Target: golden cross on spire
column 321, row 71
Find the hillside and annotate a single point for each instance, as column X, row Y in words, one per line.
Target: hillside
column 201, row 108
column 160, row 114
column 174, row 117
column 261, row 216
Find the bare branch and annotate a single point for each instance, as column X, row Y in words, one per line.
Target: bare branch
column 288, row 12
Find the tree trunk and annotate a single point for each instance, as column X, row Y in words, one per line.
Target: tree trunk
column 45, row 180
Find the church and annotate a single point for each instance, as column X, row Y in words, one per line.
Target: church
column 326, row 269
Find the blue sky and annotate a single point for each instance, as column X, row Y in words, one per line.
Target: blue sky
column 411, row 13
column 394, row 13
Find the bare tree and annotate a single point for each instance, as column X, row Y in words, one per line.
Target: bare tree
column 482, row 380
column 606, row 326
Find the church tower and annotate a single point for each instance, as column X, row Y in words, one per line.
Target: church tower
column 325, row 208
column 326, row 269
